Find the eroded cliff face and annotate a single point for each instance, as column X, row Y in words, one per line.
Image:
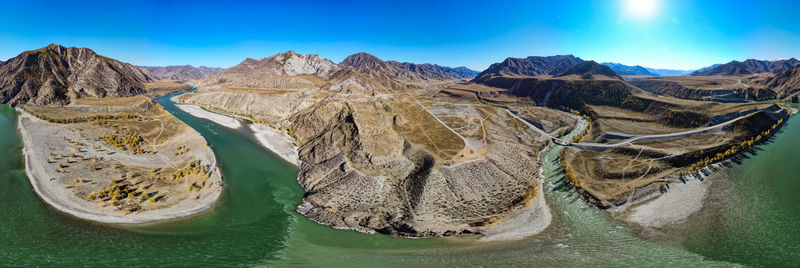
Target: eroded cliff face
column 361, row 173
column 270, row 109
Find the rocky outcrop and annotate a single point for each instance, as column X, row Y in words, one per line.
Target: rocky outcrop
column 56, row 75
column 283, row 70
column 181, row 73
column 750, row 66
column 530, row 66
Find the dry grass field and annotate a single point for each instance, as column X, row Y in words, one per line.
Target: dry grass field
column 422, row 129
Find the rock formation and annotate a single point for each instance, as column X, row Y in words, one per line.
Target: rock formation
column 283, row 70
column 56, row 75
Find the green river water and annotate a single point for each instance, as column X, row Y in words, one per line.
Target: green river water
column 749, row 220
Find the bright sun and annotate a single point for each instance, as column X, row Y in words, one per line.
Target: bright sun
column 641, row 8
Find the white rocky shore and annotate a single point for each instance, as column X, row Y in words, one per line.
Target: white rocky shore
column 47, row 186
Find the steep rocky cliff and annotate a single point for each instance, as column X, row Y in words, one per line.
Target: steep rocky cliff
column 56, row 75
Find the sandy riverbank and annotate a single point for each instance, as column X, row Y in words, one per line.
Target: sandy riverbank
column 270, row 138
column 673, row 206
column 50, row 186
column 220, row 119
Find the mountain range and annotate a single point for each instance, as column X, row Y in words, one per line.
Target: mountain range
column 786, row 84
column 530, row 66
column 181, row 73
column 750, row 66
column 55, row 75
column 360, row 72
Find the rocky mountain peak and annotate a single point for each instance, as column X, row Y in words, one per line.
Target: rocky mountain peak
column 363, row 60
column 55, row 75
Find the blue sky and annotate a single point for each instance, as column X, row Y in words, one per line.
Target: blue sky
column 678, row 34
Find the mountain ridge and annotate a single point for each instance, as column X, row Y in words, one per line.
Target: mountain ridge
column 181, row 72
column 56, row 75
column 622, row 69
column 750, row 66
column 530, row 66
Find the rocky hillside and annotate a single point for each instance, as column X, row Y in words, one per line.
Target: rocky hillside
column 787, row 84
column 283, row 70
column 181, row 73
column 56, row 75
column 750, row 66
column 622, row 69
column 435, row 72
column 588, row 69
column 530, row 66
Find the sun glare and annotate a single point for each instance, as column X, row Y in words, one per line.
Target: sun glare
column 641, row 8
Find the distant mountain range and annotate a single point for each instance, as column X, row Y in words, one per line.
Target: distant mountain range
column 360, row 72
column 181, row 73
column 750, row 66
column 622, row 69
column 54, row 75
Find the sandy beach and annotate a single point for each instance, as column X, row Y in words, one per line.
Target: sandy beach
column 48, row 187
column 220, row 119
column 272, row 139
